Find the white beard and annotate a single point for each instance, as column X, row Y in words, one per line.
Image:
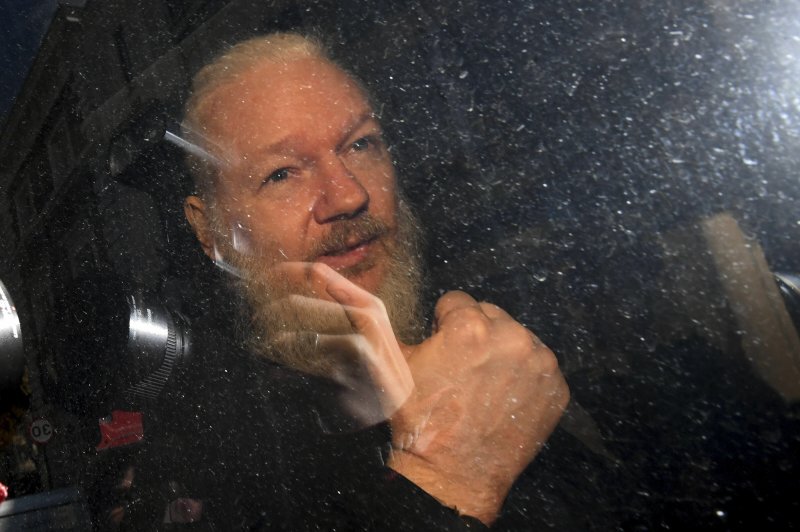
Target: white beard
column 272, row 314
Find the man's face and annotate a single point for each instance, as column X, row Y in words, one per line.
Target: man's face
column 304, row 156
column 305, row 177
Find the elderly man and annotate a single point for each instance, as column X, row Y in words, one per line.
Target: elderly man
column 297, row 200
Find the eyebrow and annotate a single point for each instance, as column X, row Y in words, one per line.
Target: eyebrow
column 349, row 129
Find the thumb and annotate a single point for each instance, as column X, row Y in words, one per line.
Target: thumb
column 449, row 303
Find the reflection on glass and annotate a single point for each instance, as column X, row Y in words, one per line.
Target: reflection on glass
column 618, row 177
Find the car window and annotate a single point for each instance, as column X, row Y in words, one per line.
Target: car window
column 619, row 177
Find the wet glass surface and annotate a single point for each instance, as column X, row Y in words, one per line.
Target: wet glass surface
column 618, row 176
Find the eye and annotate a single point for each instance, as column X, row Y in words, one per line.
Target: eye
column 281, row 174
column 365, row 143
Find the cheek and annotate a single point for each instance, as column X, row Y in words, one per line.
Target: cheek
column 233, row 220
column 250, row 222
column 239, row 233
column 280, row 230
column 384, row 202
column 382, row 192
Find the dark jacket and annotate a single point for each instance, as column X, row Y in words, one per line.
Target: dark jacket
column 267, row 448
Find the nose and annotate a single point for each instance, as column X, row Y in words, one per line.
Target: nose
column 341, row 196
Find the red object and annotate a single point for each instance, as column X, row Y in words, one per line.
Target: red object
column 3, row 492
column 123, row 428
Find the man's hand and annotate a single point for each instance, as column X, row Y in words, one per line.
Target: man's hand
column 487, row 395
column 354, row 335
column 470, row 406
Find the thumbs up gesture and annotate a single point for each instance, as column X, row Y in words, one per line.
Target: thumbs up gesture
column 469, row 407
column 487, row 395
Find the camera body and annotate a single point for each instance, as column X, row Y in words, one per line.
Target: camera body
column 115, row 350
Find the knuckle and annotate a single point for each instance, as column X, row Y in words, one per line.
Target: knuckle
column 469, row 314
column 452, row 300
column 490, row 307
column 545, row 362
column 565, row 395
column 519, row 337
column 548, row 362
column 495, row 312
column 537, row 355
column 472, row 323
column 480, row 330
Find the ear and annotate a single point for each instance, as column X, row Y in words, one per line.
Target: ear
column 195, row 210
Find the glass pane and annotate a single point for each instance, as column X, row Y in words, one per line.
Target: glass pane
column 618, row 177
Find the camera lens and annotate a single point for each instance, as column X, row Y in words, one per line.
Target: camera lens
column 158, row 343
column 114, row 348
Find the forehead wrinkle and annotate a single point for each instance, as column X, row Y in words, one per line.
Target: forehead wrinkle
column 227, row 106
column 291, row 141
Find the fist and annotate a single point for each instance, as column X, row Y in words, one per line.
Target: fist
column 487, row 395
column 469, row 407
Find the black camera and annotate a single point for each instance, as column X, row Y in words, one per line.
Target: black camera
column 104, row 348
